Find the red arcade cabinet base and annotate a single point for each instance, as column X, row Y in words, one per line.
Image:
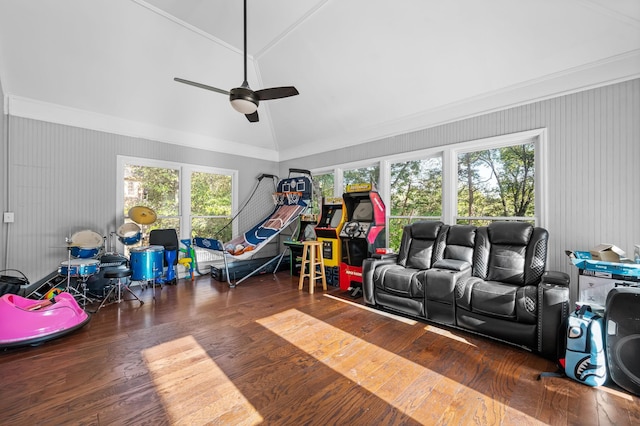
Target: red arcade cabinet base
column 350, row 275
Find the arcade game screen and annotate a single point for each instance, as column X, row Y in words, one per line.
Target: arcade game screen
column 331, row 218
column 336, row 217
column 362, row 211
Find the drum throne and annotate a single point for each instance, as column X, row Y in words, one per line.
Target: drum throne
column 120, row 286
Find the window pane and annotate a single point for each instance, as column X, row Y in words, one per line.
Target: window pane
column 416, row 194
column 416, row 188
column 153, row 187
column 211, row 205
column 369, row 174
column 485, row 222
column 395, row 232
column 212, row 227
column 167, row 223
column 210, row 194
column 325, row 182
column 497, row 182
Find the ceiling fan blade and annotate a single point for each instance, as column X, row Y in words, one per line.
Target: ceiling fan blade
column 202, row 86
column 252, row 117
column 276, row 93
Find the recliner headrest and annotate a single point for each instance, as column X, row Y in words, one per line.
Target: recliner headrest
column 514, row 233
column 462, row 235
column 425, row 230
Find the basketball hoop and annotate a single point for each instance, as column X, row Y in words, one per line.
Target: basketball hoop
column 278, row 198
column 293, row 197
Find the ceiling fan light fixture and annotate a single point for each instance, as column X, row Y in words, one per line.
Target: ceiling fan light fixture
column 244, row 106
column 243, row 100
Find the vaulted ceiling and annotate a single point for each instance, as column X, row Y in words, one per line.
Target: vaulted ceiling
column 365, row 69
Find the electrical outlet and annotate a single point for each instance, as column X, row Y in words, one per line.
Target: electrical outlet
column 8, row 217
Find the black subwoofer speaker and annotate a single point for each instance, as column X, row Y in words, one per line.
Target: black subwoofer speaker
column 622, row 326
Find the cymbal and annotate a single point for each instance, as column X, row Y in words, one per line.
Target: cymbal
column 142, row 215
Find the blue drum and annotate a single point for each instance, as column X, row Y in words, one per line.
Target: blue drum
column 86, row 244
column 79, row 267
column 146, row 263
column 129, row 233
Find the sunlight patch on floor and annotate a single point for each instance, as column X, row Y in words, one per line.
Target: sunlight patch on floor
column 429, row 328
column 448, row 334
column 375, row 311
column 193, row 389
column 403, row 384
column 616, row 392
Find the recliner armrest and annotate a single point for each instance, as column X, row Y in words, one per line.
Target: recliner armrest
column 452, row 264
column 384, row 256
column 555, row 278
column 368, row 267
column 553, row 309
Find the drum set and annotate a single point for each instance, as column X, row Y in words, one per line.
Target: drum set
column 88, row 264
column 147, row 261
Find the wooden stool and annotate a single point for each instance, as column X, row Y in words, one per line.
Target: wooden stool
column 311, row 259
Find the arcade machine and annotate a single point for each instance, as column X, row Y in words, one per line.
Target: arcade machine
column 332, row 217
column 362, row 233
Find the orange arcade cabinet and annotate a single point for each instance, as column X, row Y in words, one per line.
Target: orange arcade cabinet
column 362, row 233
column 327, row 231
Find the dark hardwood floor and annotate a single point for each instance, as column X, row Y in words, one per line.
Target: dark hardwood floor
column 266, row 353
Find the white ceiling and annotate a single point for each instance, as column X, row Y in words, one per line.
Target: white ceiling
column 365, row 69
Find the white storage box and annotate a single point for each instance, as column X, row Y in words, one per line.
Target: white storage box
column 594, row 290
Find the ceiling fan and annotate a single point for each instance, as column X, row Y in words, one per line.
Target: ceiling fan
column 243, row 99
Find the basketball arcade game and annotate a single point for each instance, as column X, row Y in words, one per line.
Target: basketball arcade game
column 332, row 218
column 362, row 233
column 291, row 199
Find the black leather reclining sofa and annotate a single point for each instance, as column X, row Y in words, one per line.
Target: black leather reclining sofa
column 488, row 280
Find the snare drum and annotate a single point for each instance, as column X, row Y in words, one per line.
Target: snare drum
column 79, row 267
column 129, row 233
column 146, row 263
column 86, row 244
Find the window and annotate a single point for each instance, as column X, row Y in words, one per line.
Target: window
column 496, row 184
column 325, row 183
column 157, row 188
column 211, row 205
column 498, row 178
column 191, row 199
column 415, row 194
column 368, row 174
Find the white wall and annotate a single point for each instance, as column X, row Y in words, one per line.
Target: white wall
column 594, row 162
column 62, row 179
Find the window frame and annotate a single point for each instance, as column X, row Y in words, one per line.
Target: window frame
column 184, row 183
column 538, row 139
column 449, row 154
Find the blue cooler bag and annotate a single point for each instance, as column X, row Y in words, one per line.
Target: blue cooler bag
column 585, row 358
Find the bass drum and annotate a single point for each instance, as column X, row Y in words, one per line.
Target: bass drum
column 147, row 263
column 98, row 285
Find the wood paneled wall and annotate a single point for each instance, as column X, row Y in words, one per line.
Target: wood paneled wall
column 594, row 162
